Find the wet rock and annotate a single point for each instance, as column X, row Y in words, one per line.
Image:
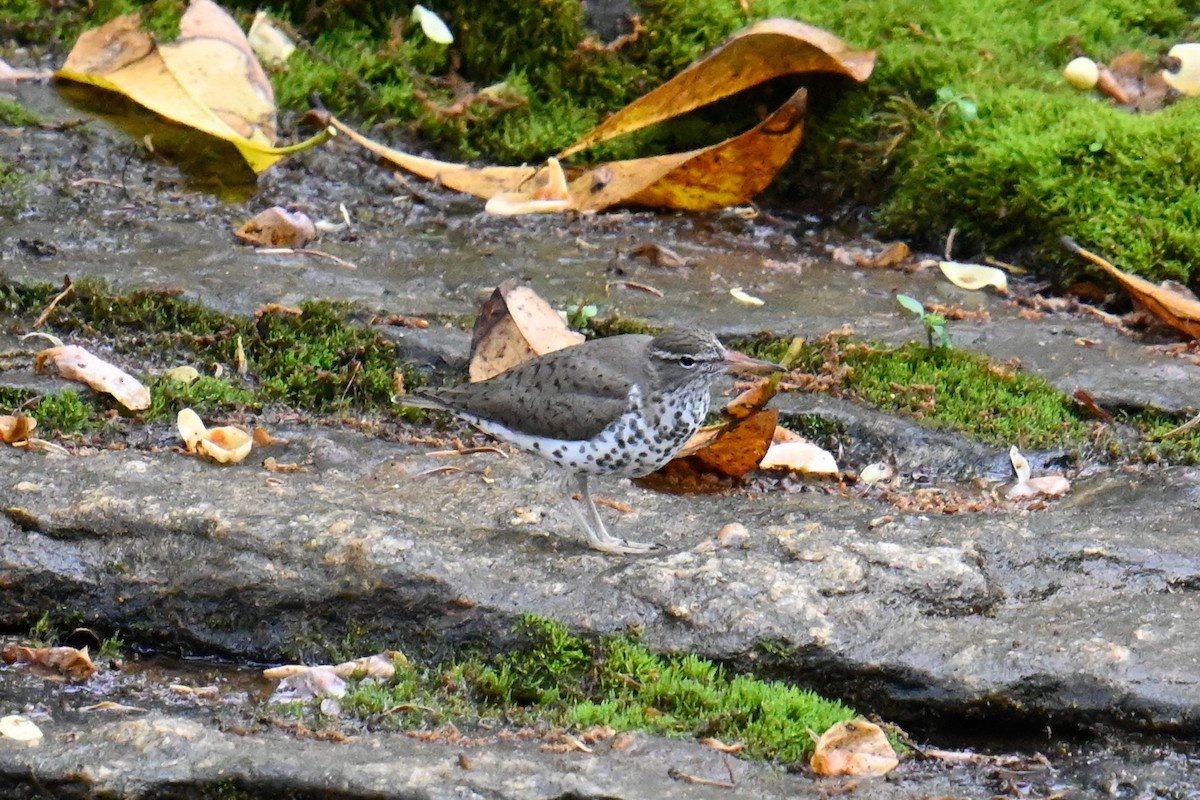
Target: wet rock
column 1081, row 613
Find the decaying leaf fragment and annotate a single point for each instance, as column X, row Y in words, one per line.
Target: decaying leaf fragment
column 803, row 457
column 74, row 663
column 278, row 227
column 1177, row 310
column 76, row 364
column 724, row 174
column 15, row 430
column 1026, row 486
column 208, row 79
column 225, row 445
column 974, row 276
column 19, row 729
column 855, row 747
column 513, row 326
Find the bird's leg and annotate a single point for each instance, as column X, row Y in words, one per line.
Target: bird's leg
column 589, row 517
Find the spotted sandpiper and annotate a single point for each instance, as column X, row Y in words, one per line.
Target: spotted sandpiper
column 622, row 406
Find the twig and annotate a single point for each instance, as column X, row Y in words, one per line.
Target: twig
column 696, row 779
column 290, row 251
column 68, row 290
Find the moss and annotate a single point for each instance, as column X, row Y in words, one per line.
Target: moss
column 955, row 389
column 554, row 676
column 319, row 360
column 14, row 114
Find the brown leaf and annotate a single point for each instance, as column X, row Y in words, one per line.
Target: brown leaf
column 727, row 173
column 76, row 364
column 763, row 51
column 856, row 747
column 278, row 227
column 15, row 430
column 1177, row 310
column 513, row 326
column 74, row 663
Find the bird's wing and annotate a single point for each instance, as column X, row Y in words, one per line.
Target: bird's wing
column 563, row 395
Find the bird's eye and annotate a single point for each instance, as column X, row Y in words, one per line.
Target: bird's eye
column 687, row 362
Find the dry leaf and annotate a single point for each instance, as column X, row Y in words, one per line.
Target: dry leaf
column 745, row 298
column 1020, row 464
column 186, row 374
column 724, row 174
column 1043, row 486
column 974, row 276
column 208, row 79
column 268, row 42
column 804, row 457
column 19, row 729
column 765, row 50
column 76, row 364
column 1177, row 310
column 225, row 445
column 545, row 193
column 856, row 747
column 278, row 227
column 1187, row 79
column 513, row 326
column 73, row 662
column 309, row 683
column 15, row 430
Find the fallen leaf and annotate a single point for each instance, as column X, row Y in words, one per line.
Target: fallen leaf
column 1185, row 80
column 974, row 276
column 544, row 193
column 856, row 747
column 15, row 430
column 803, row 457
column 186, row 374
column 745, row 298
column 1043, row 486
column 19, row 729
column 513, row 326
column 278, row 227
column 225, row 445
column 268, row 42
column 765, row 50
column 309, row 683
column 208, row 79
column 432, row 25
column 724, row 174
column 1177, row 310
column 76, row 364
column 70, row 661
column 658, row 255
column 891, row 255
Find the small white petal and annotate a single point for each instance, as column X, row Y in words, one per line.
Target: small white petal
column 432, row 24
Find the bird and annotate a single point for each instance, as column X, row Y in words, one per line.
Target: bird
column 619, row 406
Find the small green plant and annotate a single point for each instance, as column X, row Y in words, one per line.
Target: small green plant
column 111, row 648
column 935, row 324
column 580, row 316
column 43, row 633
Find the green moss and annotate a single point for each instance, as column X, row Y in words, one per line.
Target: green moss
column 16, row 115
column 319, row 360
column 15, row 187
column 952, row 388
column 552, row 676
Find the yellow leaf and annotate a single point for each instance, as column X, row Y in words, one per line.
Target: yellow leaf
column 765, row 50
column 209, row 79
column 724, row 174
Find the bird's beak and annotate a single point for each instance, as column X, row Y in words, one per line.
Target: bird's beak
column 739, row 362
